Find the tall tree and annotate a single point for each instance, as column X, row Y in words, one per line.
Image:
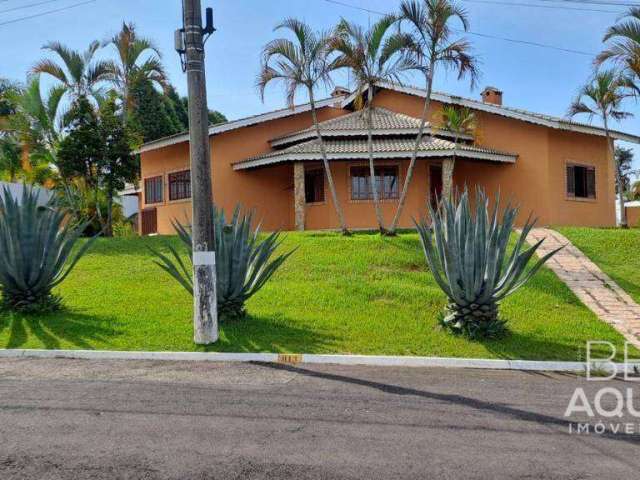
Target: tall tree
column 373, row 55
column 79, row 153
column 430, row 23
column 623, row 44
column 78, row 73
column 137, row 58
column 603, row 97
column 303, row 64
column 152, row 115
column 624, row 160
column 116, row 165
column 460, row 122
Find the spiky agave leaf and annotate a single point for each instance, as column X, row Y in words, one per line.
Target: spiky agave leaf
column 243, row 262
column 467, row 252
column 36, row 250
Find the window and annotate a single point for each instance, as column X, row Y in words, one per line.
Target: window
column 314, row 186
column 581, row 181
column 153, row 190
column 180, row 185
column 386, row 182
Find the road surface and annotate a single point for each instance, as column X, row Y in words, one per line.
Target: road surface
column 76, row 419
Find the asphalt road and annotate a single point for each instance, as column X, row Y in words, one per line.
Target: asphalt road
column 76, row 419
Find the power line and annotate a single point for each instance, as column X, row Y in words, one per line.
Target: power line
column 483, row 35
column 555, row 7
column 15, row 20
column 20, row 7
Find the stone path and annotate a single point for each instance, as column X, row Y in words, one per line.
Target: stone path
column 590, row 284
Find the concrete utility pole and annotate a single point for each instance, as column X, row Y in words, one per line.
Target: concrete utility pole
column 205, row 312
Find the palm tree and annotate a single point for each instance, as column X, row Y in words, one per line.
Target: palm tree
column 32, row 124
column 301, row 65
column 459, row 122
column 430, row 22
column 78, row 74
column 603, row 97
column 132, row 65
column 623, row 44
column 10, row 152
column 373, row 56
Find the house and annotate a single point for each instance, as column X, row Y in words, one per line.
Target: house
column 559, row 169
column 632, row 209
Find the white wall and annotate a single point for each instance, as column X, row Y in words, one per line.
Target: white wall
column 16, row 190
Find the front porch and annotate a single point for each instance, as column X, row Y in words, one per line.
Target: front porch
column 434, row 175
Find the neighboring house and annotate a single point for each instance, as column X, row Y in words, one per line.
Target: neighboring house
column 129, row 198
column 556, row 168
column 632, row 209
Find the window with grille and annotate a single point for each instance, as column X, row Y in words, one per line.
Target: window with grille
column 581, row 181
column 180, row 185
column 314, row 186
column 386, row 181
column 153, row 190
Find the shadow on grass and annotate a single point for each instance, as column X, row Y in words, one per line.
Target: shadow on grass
column 271, row 334
column 520, row 346
column 59, row 330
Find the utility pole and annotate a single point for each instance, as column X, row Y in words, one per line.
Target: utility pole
column 189, row 42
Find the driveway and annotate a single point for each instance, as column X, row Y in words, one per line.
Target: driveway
column 76, row 419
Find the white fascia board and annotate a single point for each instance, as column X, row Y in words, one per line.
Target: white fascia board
column 296, row 157
column 505, row 112
column 243, row 122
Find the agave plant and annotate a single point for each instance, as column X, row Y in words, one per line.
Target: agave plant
column 243, row 263
column 36, row 251
column 467, row 255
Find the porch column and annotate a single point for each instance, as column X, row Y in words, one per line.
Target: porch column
column 298, row 194
column 447, row 177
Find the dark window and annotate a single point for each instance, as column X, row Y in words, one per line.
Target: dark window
column 581, row 181
column 314, row 186
column 180, row 185
column 153, row 190
column 386, row 182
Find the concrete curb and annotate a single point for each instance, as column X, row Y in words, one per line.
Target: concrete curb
column 293, row 359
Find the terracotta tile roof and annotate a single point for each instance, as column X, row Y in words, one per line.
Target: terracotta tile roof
column 353, row 148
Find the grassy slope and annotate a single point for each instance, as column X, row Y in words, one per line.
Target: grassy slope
column 615, row 251
column 363, row 294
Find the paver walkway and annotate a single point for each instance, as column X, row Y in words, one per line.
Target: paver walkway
column 590, row 284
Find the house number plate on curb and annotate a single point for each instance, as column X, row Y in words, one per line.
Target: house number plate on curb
column 290, row 358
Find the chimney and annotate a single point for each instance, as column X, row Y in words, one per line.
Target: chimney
column 492, row 95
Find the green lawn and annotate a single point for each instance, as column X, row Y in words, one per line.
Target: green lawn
column 615, row 251
column 364, row 294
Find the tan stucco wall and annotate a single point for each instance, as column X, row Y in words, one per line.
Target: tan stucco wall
column 268, row 191
column 536, row 181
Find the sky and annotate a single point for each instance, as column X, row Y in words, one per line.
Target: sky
column 534, row 78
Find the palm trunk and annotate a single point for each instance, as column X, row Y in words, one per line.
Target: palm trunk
column 447, row 173
column 616, row 169
column 125, row 103
column 414, row 154
column 372, row 171
column 109, row 227
column 325, row 162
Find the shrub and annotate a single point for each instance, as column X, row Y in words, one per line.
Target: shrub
column 468, row 257
column 243, row 262
column 36, row 251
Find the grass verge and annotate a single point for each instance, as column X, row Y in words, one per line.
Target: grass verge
column 362, row 295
